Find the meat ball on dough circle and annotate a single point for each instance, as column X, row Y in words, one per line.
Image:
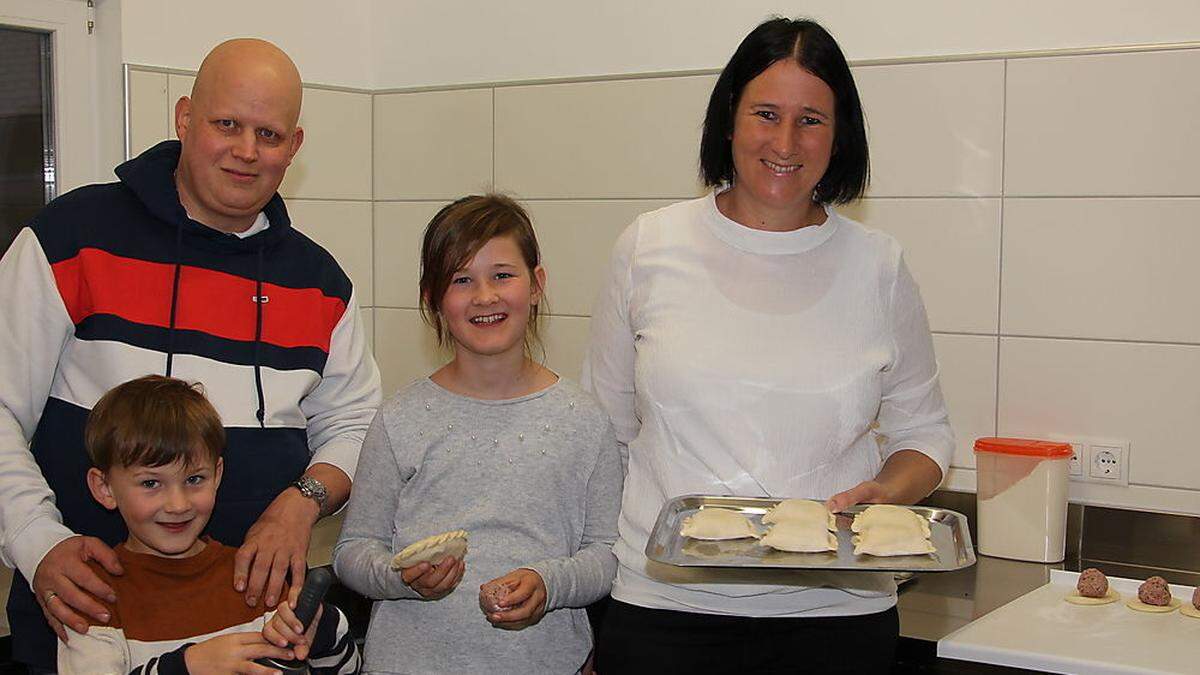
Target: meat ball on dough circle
column 1154, row 591
column 1092, row 583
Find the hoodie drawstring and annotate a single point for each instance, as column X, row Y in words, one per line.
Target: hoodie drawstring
column 259, row 301
column 174, row 296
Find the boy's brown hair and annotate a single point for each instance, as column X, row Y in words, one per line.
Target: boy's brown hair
column 456, row 234
column 153, row 421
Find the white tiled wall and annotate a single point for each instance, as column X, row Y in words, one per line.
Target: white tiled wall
column 433, row 145
column 334, row 161
column 1107, row 125
column 1048, row 206
column 615, row 139
column 935, row 129
column 149, row 121
column 1120, row 269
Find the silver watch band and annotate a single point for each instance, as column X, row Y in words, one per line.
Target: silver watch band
column 313, row 489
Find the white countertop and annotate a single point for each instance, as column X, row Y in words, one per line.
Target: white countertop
column 1041, row 631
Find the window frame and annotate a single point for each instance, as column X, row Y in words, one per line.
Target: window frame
column 74, row 91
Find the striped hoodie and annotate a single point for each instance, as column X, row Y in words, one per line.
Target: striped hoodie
column 111, row 282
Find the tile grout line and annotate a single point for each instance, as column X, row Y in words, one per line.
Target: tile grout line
column 1000, row 248
column 374, row 337
column 1094, row 50
column 493, row 186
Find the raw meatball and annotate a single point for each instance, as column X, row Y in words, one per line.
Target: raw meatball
column 1196, row 598
column 491, row 597
column 1154, row 591
column 1092, row 583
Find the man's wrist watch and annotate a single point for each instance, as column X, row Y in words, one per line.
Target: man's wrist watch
column 313, row 489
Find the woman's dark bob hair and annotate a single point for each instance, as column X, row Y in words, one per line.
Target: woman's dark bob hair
column 815, row 50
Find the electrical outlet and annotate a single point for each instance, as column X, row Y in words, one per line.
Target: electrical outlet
column 1075, row 468
column 1108, row 462
column 1096, row 459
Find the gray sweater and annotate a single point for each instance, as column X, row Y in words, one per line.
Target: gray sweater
column 535, row 481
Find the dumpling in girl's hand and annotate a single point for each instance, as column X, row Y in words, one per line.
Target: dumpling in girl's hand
column 801, row 510
column 716, row 524
column 432, row 549
column 800, row 537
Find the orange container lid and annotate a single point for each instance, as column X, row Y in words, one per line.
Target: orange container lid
column 1023, row 446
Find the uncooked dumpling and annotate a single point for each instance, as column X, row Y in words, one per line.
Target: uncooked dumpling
column 800, row 537
column 432, row 549
column 886, row 530
column 717, row 524
column 801, row 510
column 891, row 540
column 889, row 515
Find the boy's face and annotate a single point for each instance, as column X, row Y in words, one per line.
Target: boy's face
column 164, row 507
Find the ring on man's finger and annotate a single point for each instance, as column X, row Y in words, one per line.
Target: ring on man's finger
column 50, row 595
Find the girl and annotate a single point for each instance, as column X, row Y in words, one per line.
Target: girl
column 495, row 444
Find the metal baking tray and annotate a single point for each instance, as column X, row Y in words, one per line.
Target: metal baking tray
column 948, row 534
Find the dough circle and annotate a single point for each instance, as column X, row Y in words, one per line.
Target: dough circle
column 1076, row 599
column 1189, row 609
column 1140, row 606
column 432, row 549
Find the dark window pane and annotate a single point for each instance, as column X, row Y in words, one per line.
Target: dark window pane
column 24, row 130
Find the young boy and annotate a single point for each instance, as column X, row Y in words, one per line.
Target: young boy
column 155, row 445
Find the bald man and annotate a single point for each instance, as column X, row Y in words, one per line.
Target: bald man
column 188, row 266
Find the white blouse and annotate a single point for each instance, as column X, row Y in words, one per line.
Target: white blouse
column 735, row 361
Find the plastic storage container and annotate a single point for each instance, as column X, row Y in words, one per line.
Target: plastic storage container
column 1022, row 498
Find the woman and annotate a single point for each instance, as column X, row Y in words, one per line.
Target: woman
column 755, row 342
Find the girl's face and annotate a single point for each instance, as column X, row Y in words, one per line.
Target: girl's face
column 487, row 305
column 782, row 139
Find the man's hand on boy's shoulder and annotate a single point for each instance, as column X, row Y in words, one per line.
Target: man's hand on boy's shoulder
column 278, row 542
column 233, row 653
column 65, row 585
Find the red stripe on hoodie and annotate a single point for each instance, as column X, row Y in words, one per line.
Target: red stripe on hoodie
column 212, row 302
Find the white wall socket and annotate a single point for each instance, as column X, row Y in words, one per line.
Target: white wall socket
column 1097, row 460
column 1075, row 468
column 1109, row 463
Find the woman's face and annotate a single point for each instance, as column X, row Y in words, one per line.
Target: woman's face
column 782, row 139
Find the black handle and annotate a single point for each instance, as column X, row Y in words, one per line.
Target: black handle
column 316, row 584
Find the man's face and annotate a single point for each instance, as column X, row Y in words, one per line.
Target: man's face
column 239, row 135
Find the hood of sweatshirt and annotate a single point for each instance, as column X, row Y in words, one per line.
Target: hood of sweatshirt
column 151, row 176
